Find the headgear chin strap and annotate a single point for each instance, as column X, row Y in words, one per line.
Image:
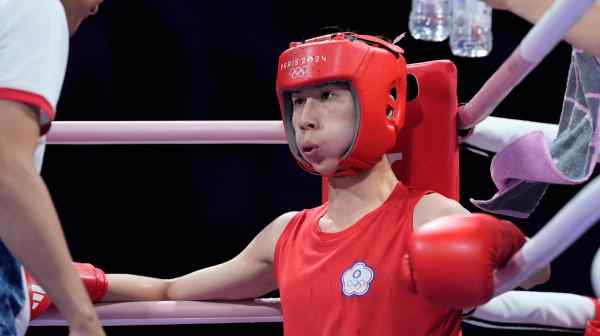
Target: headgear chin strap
column 376, row 72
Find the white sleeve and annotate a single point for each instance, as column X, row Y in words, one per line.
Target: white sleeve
column 525, row 310
column 34, row 44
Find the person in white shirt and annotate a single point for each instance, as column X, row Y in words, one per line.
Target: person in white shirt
column 34, row 43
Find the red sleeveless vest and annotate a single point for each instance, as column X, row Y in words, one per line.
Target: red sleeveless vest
column 349, row 282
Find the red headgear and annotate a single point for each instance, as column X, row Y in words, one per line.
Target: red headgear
column 376, row 73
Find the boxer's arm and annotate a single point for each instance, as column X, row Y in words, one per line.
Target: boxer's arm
column 248, row 275
column 583, row 35
column 434, row 205
column 29, row 225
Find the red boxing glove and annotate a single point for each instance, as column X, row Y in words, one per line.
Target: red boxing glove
column 592, row 328
column 451, row 260
column 94, row 280
column 39, row 300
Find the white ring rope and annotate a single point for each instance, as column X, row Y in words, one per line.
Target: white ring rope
column 540, row 40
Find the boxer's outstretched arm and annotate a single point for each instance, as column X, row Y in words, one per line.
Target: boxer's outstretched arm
column 584, row 35
column 248, row 275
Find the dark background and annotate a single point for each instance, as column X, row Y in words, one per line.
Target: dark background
column 163, row 211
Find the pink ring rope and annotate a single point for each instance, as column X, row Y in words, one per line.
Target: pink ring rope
column 167, row 132
column 175, row 312
column 540, row 40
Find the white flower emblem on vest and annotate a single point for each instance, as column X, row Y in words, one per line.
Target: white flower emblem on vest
column 357, row 279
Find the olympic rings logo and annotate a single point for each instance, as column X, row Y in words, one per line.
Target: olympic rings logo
column 298, row 72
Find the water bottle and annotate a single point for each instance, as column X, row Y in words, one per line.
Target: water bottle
column 471, row 32
column 429, row 20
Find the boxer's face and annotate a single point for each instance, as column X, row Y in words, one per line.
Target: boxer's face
column 324, row 121
column 79, row 10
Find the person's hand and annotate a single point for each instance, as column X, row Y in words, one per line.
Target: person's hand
column 498, row 4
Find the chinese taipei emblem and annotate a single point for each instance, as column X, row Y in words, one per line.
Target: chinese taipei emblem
column 357, row 279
